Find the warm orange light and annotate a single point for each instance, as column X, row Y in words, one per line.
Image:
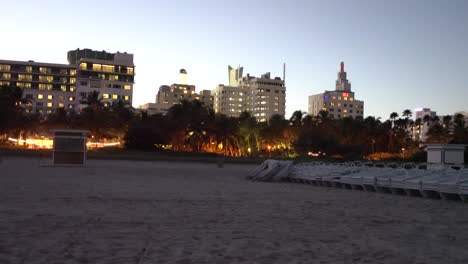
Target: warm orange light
column 45, row 143
column 345, row 94
column 42, row 143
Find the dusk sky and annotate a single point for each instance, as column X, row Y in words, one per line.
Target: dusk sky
column 399, row 54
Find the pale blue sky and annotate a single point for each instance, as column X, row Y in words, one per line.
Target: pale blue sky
column 399, row 54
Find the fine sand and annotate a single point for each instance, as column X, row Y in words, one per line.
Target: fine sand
column 172, row 212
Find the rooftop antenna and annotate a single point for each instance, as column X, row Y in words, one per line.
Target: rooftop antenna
column 284, row 72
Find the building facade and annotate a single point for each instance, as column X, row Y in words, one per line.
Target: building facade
column 168, row 96
column 420, row 129
column 262, row 96
column 338, row 103
column 50, row 86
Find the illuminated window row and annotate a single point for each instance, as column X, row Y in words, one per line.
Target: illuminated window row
column 5, row 67
column 107, row 68
column 51, row 97
column 115, row 96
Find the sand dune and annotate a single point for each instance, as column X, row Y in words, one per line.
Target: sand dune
column 170, row 212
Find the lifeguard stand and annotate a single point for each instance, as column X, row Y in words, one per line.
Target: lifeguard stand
column 69, row 147
column 450, row 154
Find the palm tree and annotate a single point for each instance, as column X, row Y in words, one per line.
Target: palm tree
column 225, row 130
column 93, row 101
column 407, row 113
column 427, row 119
column 249, row 133
column 460, row 132
column 122, row 115
column 446, row 120
column 296, row 118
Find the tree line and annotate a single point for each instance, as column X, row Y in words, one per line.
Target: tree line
column 192, row 126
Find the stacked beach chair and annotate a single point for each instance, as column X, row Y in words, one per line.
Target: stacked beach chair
column 442, row 182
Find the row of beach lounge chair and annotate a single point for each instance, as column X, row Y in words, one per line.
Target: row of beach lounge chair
column 430, row 181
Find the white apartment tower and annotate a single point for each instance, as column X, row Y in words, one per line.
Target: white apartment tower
column 170, row 95
column 338, row 103
column 262, row 96
column 419, row 131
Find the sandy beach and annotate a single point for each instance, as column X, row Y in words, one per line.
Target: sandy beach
column 173, row 212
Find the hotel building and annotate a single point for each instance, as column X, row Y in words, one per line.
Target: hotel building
column 419, row 131
column 338, row 103
column 262, row 96
column 49, row 86
column 168, row 96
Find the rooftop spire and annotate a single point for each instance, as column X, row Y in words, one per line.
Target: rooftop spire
column 342, row 67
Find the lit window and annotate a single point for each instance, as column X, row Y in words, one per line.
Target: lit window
column 97, row 67
column 60, row 105
column 332, row 104
column 40, row 96
column 73, row 72
column 346, row 98
column 49, row 104
column 351, row 99
column 44, row 70
column 42, row 86
column 130, row 70
column 50, row 97
column 105, row 96
column 72, row 88
column 114, row 96
column 345, row 111
column 28, row 68
column 83, row 65
column 25, row 77
column 108, row 68
column 49, row 87
column 339, row 104
column 339, row 97
column 127, row 87
column 72, row 80
column 7, row 76
column 127, row 98
column 63, row 88
column 70, row 98
column 5, row 67
column 113, row 77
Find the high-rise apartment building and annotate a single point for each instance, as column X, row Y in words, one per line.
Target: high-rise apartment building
column 49, row 86
column 262, row 96
column 111, row 74
column 168, row 96
column 419, row 130
column 338, row 103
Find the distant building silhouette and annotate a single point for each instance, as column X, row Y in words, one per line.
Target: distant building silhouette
column 338, row 103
